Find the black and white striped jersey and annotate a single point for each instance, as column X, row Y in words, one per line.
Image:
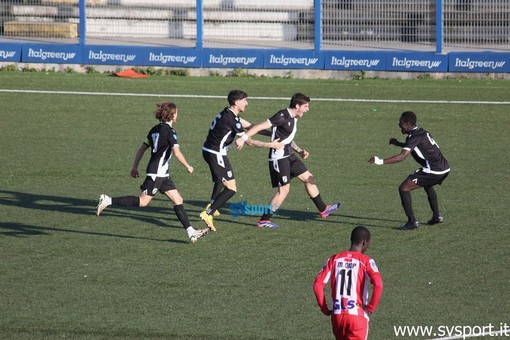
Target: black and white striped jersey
column 284, row 127
column 426, row 152
column 224, row 127
column 161, row 139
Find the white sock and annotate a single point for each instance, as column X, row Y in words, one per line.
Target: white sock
column 190, row 230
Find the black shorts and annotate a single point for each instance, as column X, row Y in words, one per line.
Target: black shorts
column 161, row 184
column 285, row 169
column 221, row 170
column 424, row 179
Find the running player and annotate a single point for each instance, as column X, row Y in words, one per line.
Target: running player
column 224, row 128
column 434, row 168
column 162, row 141
column 283, row 163
column 349, row 272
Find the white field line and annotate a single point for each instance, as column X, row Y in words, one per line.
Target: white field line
column 360, row 100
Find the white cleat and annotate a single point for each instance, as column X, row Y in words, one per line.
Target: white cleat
column 198, row 234
column 101, row 205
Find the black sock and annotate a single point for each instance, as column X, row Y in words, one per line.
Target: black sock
column 222, row 198
column 218, row 187
column 181, row 215
column 266, row 217
column 130, row 201
column 407, row 204
column 432, row 197
column 317, row 200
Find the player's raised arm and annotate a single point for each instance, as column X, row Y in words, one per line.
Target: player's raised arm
column 251, row 132
column 390, row 160
column 261, row 132
column 394, row 141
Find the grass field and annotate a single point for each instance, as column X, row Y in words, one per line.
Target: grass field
column 132, row 274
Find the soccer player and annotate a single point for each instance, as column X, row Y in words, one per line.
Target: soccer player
column 162, row 141
column 434, row 168
column 283, row 163
column 349, row 272
column 224, row 128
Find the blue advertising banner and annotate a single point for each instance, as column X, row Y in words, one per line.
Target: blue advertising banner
column 399, row 61
column 233, row 58
column 171, row 57
column 51, row 53
column 479, row 62
column 354, row 60
column 10, row 52
column 293, row 59
column 112, row 55
column 416, row 61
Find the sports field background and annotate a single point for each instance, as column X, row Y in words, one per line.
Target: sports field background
column 132, row 274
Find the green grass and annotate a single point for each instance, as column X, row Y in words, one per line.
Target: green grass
column 131, row 274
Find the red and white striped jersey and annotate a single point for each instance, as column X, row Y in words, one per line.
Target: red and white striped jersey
column 350, row 274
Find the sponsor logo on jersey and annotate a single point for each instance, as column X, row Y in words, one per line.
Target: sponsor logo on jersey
column 344, row 304
column 347, row 264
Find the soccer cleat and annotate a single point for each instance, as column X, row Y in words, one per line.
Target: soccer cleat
column 410, row 225
column 101, row 205
column 435, row 220
column 267, row 224
column 329, row 209
column 216, row 213
column 208, row 219
column 198, row 234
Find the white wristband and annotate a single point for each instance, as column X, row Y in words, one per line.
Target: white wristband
column 245, row 136
column 378, row 160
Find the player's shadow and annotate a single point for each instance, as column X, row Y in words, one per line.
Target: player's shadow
column 160, row 213
column 156, row 215
column 336, row 218
column 80, row 206
column 24, row 230
column 300, row 215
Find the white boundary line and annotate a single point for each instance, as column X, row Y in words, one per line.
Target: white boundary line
column 265, row 98
column 473, row 335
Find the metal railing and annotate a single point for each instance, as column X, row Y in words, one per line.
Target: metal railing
column 417, row 25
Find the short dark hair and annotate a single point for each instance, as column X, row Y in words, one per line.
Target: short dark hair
column 298, row 99
column 236, row 95
column 360, row 234
column 408, row 117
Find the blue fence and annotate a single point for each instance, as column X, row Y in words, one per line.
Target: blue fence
column 316, row 57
